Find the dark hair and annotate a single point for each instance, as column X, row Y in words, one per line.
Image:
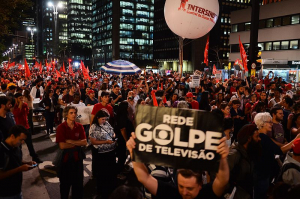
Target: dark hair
column 159, row 93
column 27, row 95
column 236, row 101
column 204, row 103
column 223, row 105
column 227, row 123
column 3, row 87
column 274, row 110
column 122, row 110
column 4, row 100
column 98, row 115
column 103, row 86
column 288, row 100
column 126, row 192
column 187, row 173
column 76, row 95
column 104, row 93
column 17, row 130
column 115, row 86
column 158, row 99
column 295, row 119
column 259, row 107
column 245, row 133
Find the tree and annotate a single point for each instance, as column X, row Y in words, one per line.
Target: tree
column 216, row 50
column 11, row 13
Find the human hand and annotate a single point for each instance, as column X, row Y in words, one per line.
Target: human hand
column 223, row 149
column 47, row 107
column 109, row 141
column 131, row 143
column 120, row 96
column 25, row 167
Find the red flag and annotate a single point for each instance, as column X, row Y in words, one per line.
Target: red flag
column 71, row 70
column 154, row 98
column 27, row 71
column 243, row 55
column 53, row 66
column 36, row 65
column 63, row 68
column 206, row 52
column 84, row 71
column 214, row 69
column 58, row 74
column 41, row 68
column 20, row 67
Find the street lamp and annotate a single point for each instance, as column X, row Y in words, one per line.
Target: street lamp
column 32, row 30
column 55, row 13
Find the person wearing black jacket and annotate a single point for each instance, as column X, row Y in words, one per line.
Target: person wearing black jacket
column 49, row 103
column 240, row 161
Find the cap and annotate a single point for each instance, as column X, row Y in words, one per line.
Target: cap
column 91, row 91
column 189, row 94
column 296, row 147
column 289, row 86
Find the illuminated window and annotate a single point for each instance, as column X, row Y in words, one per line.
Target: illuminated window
column 294, row 44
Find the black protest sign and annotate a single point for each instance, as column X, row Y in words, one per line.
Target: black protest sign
column 178, row 138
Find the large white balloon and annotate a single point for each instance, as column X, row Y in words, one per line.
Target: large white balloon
column 191, row 18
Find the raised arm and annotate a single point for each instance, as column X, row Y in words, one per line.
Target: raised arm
column 141, row 171
column 222, row 177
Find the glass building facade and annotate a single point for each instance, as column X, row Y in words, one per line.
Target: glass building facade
column 53, row 35
column 80, row 29
column 123, row 30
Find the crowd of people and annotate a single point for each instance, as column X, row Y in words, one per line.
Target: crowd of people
column 260, row 151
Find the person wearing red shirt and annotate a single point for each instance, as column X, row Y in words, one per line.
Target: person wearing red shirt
column 190, row 98
column 70, row 137
column 21, row 111
column 104, row 106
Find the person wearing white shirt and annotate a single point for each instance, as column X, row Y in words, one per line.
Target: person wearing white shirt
column 37, row 91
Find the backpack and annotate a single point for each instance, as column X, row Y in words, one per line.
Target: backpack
column 286, row 167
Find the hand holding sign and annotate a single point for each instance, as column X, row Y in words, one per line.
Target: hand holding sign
column 178, row 138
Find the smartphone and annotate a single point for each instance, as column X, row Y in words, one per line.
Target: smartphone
column 34, row 165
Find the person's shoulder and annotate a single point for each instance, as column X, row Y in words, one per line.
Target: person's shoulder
column 207, row 192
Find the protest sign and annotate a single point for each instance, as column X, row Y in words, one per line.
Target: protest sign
column 84, row 114
column 178, row 138
column 195, row 80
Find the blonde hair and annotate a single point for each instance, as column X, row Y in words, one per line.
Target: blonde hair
column 261, row 118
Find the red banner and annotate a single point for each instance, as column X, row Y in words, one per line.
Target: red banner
column 206, row 52
column 27, row 71
column 58, row 74
column 214, row 69
column 243, row 55
column 71, row 70
column 85, row 71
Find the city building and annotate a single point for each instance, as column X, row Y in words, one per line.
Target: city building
column 123, row 30
column 52, row 29
column 79, row 26
column 278, row 37
column 219, row 36
column 166, row 46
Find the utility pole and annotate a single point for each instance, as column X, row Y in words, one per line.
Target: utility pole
column 254, row 32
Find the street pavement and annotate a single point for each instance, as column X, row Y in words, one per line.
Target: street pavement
column 42, row 182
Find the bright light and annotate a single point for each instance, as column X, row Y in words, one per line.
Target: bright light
column 76, row 64
column 34, row 29
column 59, row 5
column 50, row 4
column 28, row 28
